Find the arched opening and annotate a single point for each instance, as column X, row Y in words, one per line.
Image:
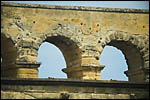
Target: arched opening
column 115, row 64
column 132, row 56
column 52, row 61
column 69, row 50
column 8, row 57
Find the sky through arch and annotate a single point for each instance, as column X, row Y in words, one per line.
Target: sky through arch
column 115, row 64
column 52, row 61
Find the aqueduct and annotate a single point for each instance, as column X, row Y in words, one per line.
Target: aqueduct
column 80, row 33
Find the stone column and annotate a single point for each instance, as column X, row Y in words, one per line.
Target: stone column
column 21, row 70
column 26, row 65
column 92, row 68
column 84, row 72
column 89, row 70
column 27, row 69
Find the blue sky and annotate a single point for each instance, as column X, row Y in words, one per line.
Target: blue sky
column 113, row 59
column 108, row 4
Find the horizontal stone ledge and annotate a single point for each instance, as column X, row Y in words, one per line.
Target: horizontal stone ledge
column 20, row 67
column 28, row 63
column 71, row 82
column 17, row 65
column 78, row 8
column 92, row 65
column 83, row 68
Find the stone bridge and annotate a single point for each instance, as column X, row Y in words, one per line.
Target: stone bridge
column 81, row 33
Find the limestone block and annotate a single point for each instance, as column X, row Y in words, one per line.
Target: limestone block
column 27, row 75
column 12, row 95
column 79, row 96
column 146, row 64
column 43, row 95
column 110, row 96
column 146, row 57
column 90, row 60
column 28, row 97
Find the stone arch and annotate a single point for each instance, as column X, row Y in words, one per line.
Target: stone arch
column 9, row 56
column 69, row 45
column 135, row 49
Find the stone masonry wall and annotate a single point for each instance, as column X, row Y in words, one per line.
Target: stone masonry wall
column 80, row 33
column 72, row 89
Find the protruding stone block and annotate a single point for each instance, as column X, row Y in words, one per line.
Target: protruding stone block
column 87, row 72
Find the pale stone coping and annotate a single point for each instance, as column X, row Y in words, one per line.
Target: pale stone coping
column 79, row 8
column 83, row 68
column 22, row 65
column 28, row 63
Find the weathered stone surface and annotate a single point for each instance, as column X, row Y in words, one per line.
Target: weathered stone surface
column 12, row 95
column 71, row 89
column 80, row 33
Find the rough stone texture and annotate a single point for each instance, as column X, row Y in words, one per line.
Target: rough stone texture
column 72, row 89
column 80, row 33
